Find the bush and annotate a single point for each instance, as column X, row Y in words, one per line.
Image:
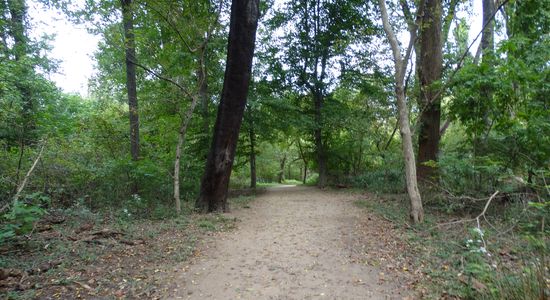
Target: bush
column 19, row 219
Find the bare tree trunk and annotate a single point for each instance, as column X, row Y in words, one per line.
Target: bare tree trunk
column 252, row 137
column 129, row 45
column 488, row 34
column 203, row 93
column 416, row 211
column 240, row 52
column 281, row 175
column 181, row 138
column 302, row 155
column 252, row 166
column 431, row 63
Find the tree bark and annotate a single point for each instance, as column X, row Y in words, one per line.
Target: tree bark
column 431, row 63
column 302, row 155
column 416, row 211
column 488, row 34
column 130, row 50
column 240, row 52
column 203, row 92
column 181, row 138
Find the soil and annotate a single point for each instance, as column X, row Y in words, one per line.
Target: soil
column 296, row 242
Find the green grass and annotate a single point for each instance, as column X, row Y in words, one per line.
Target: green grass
column 216, row 222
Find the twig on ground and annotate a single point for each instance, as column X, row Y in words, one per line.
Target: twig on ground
column 482, row 214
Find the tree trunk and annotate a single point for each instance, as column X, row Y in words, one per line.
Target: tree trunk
column 17, row 28
column 319, row 146
column 252, row 136
column 18, row 32
column 281, row 175
column 203, row 92
column 416, row 211
column 130, row 47
column 302, row 155
column 240, row 52
column 429, row 73
column 181, row 138
column 488, row 34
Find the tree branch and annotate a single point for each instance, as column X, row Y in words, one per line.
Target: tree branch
column 24, row 183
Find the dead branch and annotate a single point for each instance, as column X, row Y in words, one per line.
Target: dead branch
column 481, row 215
column 24, row 182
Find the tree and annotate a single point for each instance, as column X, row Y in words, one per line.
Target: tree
column 317, row 34
column 130, row 53
column 429, row 72
column 240, row 52
column 249, row 116
column 400, row 65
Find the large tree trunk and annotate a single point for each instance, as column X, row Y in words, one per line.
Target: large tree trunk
column 400, row 62
column 130, row 47
column 240, row 51
column 429, row 72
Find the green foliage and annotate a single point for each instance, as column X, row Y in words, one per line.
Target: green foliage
column 21, row 217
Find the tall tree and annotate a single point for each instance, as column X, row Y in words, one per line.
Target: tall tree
column 130, row 52
column 18, row 33
column 400, row 64
column 240, row 52
column 429, row 72
column 487, row 44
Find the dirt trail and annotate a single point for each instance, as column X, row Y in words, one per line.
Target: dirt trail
column 293, row 243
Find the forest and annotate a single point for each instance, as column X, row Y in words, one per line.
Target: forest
column 200, row 114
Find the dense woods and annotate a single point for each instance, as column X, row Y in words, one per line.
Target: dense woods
column 192, row 99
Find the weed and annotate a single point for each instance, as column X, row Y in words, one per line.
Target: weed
column 496, row 260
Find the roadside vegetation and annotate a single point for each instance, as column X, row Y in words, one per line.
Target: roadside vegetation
column 446, row 128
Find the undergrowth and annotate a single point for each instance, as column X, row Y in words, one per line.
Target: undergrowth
column 96, row 254
column 505, row 257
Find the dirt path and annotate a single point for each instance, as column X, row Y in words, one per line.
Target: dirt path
column 293, row 243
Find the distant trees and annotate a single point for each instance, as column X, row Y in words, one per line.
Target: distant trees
column 317, row 32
